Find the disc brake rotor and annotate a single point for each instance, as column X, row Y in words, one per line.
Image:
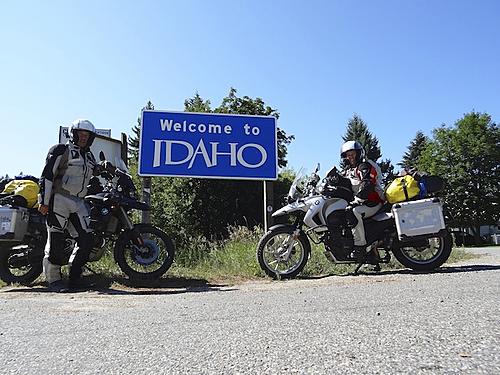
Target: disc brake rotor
column 147, row 253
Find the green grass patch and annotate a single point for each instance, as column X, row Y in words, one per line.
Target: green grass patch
column 459, row 255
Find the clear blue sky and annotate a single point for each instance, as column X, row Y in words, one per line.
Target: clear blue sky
column 402, row 66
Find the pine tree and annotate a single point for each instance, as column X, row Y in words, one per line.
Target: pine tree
column 133, row 141
column 417, row 145
column 357, row 130
column 197, row 104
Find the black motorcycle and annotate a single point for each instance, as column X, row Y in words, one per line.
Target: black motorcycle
column 142, row 251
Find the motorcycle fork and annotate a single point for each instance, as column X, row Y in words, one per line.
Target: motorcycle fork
column 135, row 235
column 289, row 244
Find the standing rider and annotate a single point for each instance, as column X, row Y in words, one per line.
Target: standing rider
column 63, row 186
column 366, row 180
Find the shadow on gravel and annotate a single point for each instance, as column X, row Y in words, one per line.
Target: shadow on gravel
column 446, row 269
column 121, row 286
column 173, row 285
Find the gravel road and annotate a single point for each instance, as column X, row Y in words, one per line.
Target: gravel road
column 447, row 322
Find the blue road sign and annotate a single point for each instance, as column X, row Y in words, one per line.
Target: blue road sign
column 208, row 145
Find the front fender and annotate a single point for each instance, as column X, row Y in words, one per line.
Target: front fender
column 291, row 227
column 274, row 227
column 291, row 207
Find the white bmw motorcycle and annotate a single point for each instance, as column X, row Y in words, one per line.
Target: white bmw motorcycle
column 413, row 231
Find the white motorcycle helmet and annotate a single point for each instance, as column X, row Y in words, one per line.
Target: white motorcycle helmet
column 81, row 124
column 353, row 145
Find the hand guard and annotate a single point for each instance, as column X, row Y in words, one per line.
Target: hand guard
column 106, row 166
column 356, row 202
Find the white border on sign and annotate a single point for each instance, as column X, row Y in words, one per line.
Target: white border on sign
column 211, row 177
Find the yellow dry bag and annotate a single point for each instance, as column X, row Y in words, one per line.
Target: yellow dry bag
column 25, row 188
column 402, row 189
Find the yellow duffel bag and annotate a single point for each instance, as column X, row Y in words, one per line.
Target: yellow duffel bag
column 25, row 188
column 402, row 189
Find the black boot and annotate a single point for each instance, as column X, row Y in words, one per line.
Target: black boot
column 85, row 242
column 360, row 253
column 80, row 285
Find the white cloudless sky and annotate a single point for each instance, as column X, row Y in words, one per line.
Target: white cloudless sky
column 402, row 66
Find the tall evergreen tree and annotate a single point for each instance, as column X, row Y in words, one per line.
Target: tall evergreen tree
column 133, row 141
column 197, row 104
column 357, row 130
column 387, row 170
column 411, row 157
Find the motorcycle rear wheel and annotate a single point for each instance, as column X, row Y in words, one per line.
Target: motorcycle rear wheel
column 20, row 266
column 145, row 263
column 425, row 258
column 272, row 247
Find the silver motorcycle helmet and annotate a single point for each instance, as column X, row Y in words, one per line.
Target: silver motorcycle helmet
column 353, row 145
column 81, row 124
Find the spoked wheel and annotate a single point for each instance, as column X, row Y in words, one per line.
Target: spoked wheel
column 436, row 251
column 282, row 254
column 146, row 262
column 20, row 264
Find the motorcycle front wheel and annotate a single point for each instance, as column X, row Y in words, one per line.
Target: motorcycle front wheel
column 20, row 264
column 273, row 256
column 424, row 258
column 147, row 262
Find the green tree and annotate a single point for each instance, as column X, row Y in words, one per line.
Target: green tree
column 411, row 157
column 248, row 106
column 387, row 170
column 357, row 130
column 133, row 141
column 467, row 156
column 197, row 104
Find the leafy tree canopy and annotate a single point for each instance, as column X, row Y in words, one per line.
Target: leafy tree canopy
column 467, row 156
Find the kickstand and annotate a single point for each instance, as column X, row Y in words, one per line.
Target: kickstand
column 358, row 268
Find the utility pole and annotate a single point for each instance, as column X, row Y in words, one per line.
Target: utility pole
column 268, row 204
column 146, row 197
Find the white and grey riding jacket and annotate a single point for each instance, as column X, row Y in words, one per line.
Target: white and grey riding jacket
column 68, row 169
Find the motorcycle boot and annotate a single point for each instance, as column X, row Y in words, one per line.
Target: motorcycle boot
column 359, row 253
column 58, row 286
column 79, row 285
column 364, row 257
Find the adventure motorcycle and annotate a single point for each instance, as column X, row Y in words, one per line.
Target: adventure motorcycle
column 414, row 232
column 142, row 251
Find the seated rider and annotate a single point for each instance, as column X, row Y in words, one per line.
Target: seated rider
column 366, row 180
